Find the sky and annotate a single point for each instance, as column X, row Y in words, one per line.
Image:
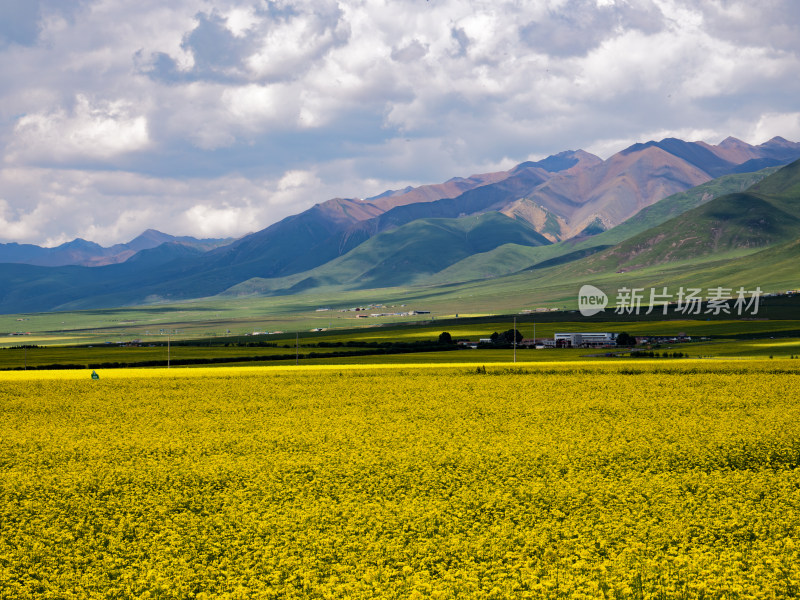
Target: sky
column 215, row 118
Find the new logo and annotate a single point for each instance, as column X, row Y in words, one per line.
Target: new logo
column 591, row 300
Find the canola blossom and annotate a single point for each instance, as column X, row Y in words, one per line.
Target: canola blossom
column 614, row 480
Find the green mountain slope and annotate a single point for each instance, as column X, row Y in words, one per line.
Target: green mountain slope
column 784, row 184
column 742, row 239
column 677, row 204
column 404, row 255
column 771, row 269
column 775, row 268
column 508, row 259
column 737, row 223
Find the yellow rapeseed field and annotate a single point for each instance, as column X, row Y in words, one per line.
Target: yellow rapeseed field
column 673, row 479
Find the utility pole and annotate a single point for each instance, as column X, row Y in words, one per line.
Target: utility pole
column 515, row 339
column 297, row 348
column 168, row 347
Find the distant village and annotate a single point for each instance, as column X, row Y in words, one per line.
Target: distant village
column 364, row 312
column 584, row 340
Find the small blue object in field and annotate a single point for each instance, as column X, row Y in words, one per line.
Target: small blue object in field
column 95, row 375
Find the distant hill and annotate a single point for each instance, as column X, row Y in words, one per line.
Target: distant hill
column 606, row 194
column 767, row 214
column 570, row 194
column 84, row 253
column 747, row 239
column 331, row 229
column 512, row 258
column 713, row 222
column 401, row 256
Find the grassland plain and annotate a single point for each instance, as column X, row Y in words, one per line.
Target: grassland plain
column 215, row 319
column 640, row 479
column 753, row 338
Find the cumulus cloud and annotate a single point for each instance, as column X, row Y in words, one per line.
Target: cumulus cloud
column 110, row 206
column 577, row 26
column 219, row 117
column 786, row 125
column 86, row 132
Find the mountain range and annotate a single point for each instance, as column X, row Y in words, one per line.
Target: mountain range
column 90, row 254
column 655, row 202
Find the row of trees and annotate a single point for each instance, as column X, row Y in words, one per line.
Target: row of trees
column 507, row 338
column 500, row 339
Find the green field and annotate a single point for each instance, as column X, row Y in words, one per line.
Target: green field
column 475, row 303
column 232, row 333
column 366, row 347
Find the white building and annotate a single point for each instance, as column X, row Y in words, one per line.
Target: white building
column 585, row 340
